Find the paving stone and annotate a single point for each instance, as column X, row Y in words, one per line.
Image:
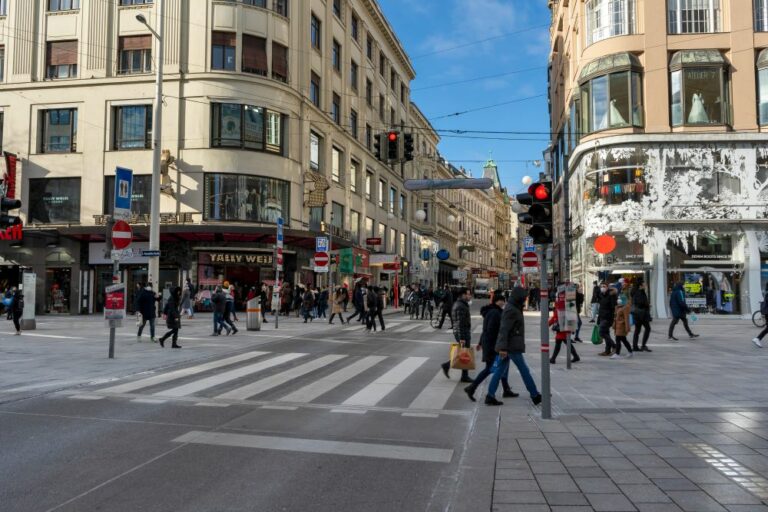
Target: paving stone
column 556, row 483
column 547, row 467
column 648, row 461
column 603, row 450
column 516, row 485
column 611, row 463
column 569, row 450
column 512, row 464
column 500, row 497
column 592, row 441
column 661, row 472
column 695, row 501
column 746, row 508
column 578, row 461
column 674, row 484
column 542, row 456
column 596, row 485
column 561, row 439
column 514, row 474
column 704, row 476
column 571, row 508
column 658, row 507
column 565, row 498
column 610, row 503
column 671, row 451
column 644, row 493
column 527, row 445
column 687, row 462
column 632, row 448
column 520, row 508
column 630, row 476
column 731, row 494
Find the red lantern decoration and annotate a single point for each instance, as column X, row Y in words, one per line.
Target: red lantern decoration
column 605, row 244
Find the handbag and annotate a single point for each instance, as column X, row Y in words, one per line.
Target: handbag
column 462, row 358
column 596, row 339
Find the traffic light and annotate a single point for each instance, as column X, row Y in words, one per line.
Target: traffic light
column 539, row 214
column 6, row 219
column 408, row 147
column 393, row 146
column 380, row 147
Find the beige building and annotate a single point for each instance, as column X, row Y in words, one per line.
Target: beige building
column 269, row 110
column 658, row 107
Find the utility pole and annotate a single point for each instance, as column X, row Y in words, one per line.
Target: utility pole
column 546, row 398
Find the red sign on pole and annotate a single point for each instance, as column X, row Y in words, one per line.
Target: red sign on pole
column 530, row 259
column 122, row 235
column 321, row 259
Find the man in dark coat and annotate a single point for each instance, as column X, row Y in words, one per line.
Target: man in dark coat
column 172, row 318
column 145, row 304
column 219, row 301
column 641, row 314
column 17, row 309
column 511, row 346
column 605, row 314
column 491, row 314
column 446, row 302
column 679, row 309
column 462, row 329
column 594, row 303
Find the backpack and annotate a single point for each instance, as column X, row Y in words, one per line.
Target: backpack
column 764, row 308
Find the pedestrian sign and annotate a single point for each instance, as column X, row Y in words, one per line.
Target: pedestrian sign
column 321, row 244
column 528, row 245
column 123, row 191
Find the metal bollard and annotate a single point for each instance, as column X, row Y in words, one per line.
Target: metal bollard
column 253, row 314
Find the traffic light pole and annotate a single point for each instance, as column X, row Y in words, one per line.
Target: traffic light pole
column 112, row 323
column 546, row 396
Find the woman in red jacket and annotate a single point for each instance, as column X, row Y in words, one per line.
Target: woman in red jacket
column 561, row 336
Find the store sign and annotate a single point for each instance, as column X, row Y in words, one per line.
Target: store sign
column 12, row 233
column 135, row 218
column 240, row 258
column 696, row 302
column 443, row 254
column 459, row 275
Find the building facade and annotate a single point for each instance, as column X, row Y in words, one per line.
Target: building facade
column 658, row 109
column 270, row 109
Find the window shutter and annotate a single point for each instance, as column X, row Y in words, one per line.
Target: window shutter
column 62, row 53
column 279, row 60
column 136, row 42
column 254, row 54
column 224, row 38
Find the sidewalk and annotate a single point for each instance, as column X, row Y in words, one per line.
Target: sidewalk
column 684, row 428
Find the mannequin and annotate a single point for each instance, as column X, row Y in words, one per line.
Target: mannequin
column 698, row 114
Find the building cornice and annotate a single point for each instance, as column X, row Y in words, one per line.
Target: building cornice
column 381, row 21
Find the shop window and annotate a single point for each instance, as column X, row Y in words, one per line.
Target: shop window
column 713, row 177
column 54, row 200
column 762, row 85
column 132, row 127
column 141, row 194
column 246, row 127
column 223, row 49
column 59, row 131
column 237, row 197
column 693, row 16
column 135, row 55
column 611, row 93
column 614, row 186
column 609, row 18
column 699, row 88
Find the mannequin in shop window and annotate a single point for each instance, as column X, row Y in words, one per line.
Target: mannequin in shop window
column 698, row 113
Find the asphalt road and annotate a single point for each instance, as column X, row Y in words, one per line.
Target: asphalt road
column 310, row 417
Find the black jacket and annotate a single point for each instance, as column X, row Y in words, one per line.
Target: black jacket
column 171, row 312
column 18, row 303
column 641, row 306
column 607, row 309
column 447, row 300
column 219, row 302
column 512, row 330
column 595, row 294
column 579, row 302
column 145, row 304
column 462, row 323
column 491, row 314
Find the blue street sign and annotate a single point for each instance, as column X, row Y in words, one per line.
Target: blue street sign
column 150, row 254
column 321, row 244
column 123, row 193
column 528, row 245
column 443, row 254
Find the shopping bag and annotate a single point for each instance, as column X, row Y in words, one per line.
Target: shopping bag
column 596, row 339
column 462, row 358
column 138, row 319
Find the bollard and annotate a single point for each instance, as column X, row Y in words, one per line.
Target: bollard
column 253, row 314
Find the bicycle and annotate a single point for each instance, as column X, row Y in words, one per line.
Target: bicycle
column 758, row 319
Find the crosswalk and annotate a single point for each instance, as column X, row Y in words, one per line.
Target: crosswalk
column 337, row 382
column 412, row 327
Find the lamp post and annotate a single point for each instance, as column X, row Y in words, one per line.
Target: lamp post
column 157, row 128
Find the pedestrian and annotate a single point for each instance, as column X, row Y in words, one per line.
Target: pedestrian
column 307, row 303
column 337, row 305
column 641, row 314
column 579, row 307
column 298, row 297
column 145, row 305
column 679, row 309
column 510, row 346
column 371, row 303
column 186, row 302
column 561, row 335
column 17, row 309
column 380, row 294
column 345, row 303
column 322, row 303
column 264, row 300
column 758, row 341
column 462, row 329
column 172, row 315
column 231, row 303
column 491, row 314
column 358, row 302
column 594, row 302
column 219, row 302
column 192, row 289
column 229, row 309
column 621, row 327
column 446, row 303
column 605, row 316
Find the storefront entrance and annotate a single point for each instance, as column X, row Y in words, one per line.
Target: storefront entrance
column 58, row 286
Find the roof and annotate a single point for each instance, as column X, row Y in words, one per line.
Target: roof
column 608, row 64
column 696, row 57
column 762, row 59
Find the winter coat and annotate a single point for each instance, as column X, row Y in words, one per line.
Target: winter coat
column 677, row 305
column 358, row 298
column 579, row 302
column 554, row 319
column 219, row 302
column 512, row 330
column 595, row 294
column 338, row 303
column 171, row 312
column 145, row 304
column 17, row 307
column 621, row 321
column 641, row 306
column 380, row 301
column 607, row 308
column 447, row 300
column 462, row 322
column 370, row 301
column 309, row 300
column 491, row 314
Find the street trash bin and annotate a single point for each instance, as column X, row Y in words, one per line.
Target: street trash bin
column 253, row 314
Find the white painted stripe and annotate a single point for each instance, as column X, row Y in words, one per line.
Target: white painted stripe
column 350, row 449
column 428, row 329
column 86, row 397
column 148, row 401
column 279, row 407
column 324, row 385
column 419, row 415
column 477, row 329
column 349, row 411
column 177, row 374
column 37, row 335
column 353, row 328
column 122, row 234
column 406, row 328
column 262, row 385
column 211, row 404
column 436, row 394
column 209, row 382
column 374, row 392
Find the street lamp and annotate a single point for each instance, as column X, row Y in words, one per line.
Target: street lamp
column 157, row 128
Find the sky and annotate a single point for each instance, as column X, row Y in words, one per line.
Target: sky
column 509, row 64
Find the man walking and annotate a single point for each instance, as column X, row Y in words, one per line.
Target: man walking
column 17, row 309
column 680, row 310
column 511, row 346
column 446, row 304
column 641, row 314
column 462, row 329
column 145, row 304
column 595, row 302
column 219, row 302
column 605, row 314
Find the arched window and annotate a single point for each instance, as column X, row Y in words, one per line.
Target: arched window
column 609, row 18
column 611, row 93
column 699, row 88
column 762, row 81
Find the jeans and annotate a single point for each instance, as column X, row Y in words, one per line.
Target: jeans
column 676, row 319
column 501, row 368
column 578, row 327
column 485, row 372
column 151, row 321
column 605, row 333
column 218, row 322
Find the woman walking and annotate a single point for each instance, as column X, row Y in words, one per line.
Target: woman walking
column 172, row 318
column 186, row 302
column 641, row 314
column 17, row 309
column 679, row 309
column 337, row 308
column 621, row 327
column 560, row 335
column 605, row 316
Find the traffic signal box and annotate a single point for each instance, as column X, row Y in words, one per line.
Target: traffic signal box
column 539, row 214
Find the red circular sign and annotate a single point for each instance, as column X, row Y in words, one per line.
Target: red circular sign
column 605, row 244
column 541, row 193
column 530, row 259
column 321, row 259
column 122, row 235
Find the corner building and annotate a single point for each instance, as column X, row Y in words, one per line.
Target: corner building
column 658, row 110
column 270, row 108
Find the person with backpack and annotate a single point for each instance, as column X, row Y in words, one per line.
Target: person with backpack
column 446, row 303
column 370, row 308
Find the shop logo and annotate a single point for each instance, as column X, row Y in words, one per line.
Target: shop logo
column 12, row 233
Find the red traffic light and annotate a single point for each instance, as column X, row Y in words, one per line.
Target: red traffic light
column 392, row 136
column 539, row 191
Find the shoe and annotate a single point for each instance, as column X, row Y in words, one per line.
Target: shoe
column 536, row 400
column 615, row 356
column 446, row 367
column 635, row 348
column 757, row 342
column 162, row 342
column 575, row 359
column 228, row 331
column 606, row 353
column 154, row 340
column 645, row 349
column 490, row 400
column 305, row 321
column 630, row 355
column 672, row 338
column 510, row 394
column 17, row 333
column 578, row 340
column 551, row 361
column 693, row 336
column 466, row 379
column 591, row 321
column 214, row 334
column 175, row 345
column 234, row 331
column 470, row 391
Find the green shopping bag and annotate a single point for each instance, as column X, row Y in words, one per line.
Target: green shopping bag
column 596, row 339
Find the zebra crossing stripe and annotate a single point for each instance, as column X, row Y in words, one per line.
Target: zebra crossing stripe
column 265, row 384
column 320, row 387
column 436, row 394
column 477, row 329
column 374, row 392
column 199, row 385
column 178, row 374
column 406, row 328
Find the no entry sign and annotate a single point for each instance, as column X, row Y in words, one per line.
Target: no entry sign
column 321, row 259
column 122, row 235
column 530, row 259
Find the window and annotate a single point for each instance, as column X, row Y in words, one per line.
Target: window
column 141, row 194
column 392, row 241
column 699, row 87
column 354, row 175
column 761, row 15
column 368, row 136
column 254, row 55
column 353, row 75
column 368, row 185
column 133, row 127
column 3, row 7
column 135, row 54
column 257, row 3
column 382, row 234
column 381, row 107
column 355, row 27
column 336, row 108
column 223, row 46
column 611, row 93
column 354, row 225
column 402, row 206
column 392, row 200
column 403, row 245
column 336, row 56
column 314, row 33
column 382, row 64
column 63, row 5
column 246, row 127
column 279, row 62
column 392, row 79
column 337, row 172
column 135, row 2
column 337, row 215
column 392, row 116
column 693, row 16
column 337, row 8
column 353, row 123
column 369, row 228
column 402, row 92
column 2, row 63
column 316, row 218
column 238, row 197
column 61, row 59
column 280, row 7
column 54, row 200
column 609, row 18
column 762, row 81
column 59, row 131
column 314, row 89
column 380, row 196
column 315, row 144
column 369, row 48
column 369, row 92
